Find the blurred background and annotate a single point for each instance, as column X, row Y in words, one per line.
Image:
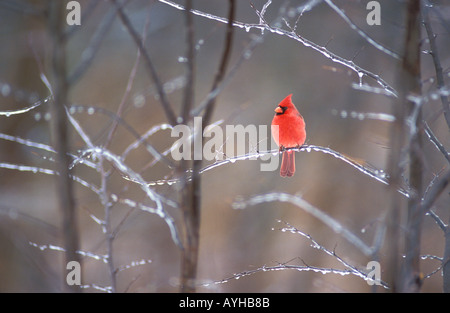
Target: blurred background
column 231, row 241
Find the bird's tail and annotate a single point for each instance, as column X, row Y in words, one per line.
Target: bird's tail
column 287, row 163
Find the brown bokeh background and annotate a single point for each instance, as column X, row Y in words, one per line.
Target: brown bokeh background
column 231, row 241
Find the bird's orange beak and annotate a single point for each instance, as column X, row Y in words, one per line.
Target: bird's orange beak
column 278, row 109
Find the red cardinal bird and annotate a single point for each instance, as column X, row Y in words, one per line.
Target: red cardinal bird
column 290, row 133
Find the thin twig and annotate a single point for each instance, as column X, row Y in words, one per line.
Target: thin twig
column 309, row 208
column 360, row 32
column 170, row 115
column 333, row 253
column 117, row 162
column 130, row 82
column 152, row 150
column 438, row 220
column 293, row 35
column 223, row 63
column 436, row 141
column 190, row 64
column 91, row 50
column 349, row 270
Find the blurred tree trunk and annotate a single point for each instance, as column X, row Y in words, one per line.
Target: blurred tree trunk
column 440, row 80
column 411, row 80
column 446, row 261
column 406, row 144
column 191, row 193
column 60, row 136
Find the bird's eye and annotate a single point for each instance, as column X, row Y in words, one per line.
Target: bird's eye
column 280, row 110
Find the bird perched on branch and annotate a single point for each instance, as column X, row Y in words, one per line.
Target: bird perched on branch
column 288, row 131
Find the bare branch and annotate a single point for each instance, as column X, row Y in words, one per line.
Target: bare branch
column 438, row 220
column 291, row 34
column 316, row 245
column 150, row 67
column 209, row 108
column 152, row 150
column 126, row 170
column 190, row 64
column 8, row 113
column 349, row 269
column 360, row 32
column 377, row 174
column 436, row 141
column 309, row 208
column 436, row 61
column 91, row 50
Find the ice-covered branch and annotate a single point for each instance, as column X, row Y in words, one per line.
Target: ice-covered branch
column 91, row 110
column 8, row 113
column 360, row 32
column 280, row 267
column 293, row 35
column 365, row 115
column 298, row 201
column 98, row 257
column 377, row 174
column 348, row 270
column 117, row 162
column 32, row 99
